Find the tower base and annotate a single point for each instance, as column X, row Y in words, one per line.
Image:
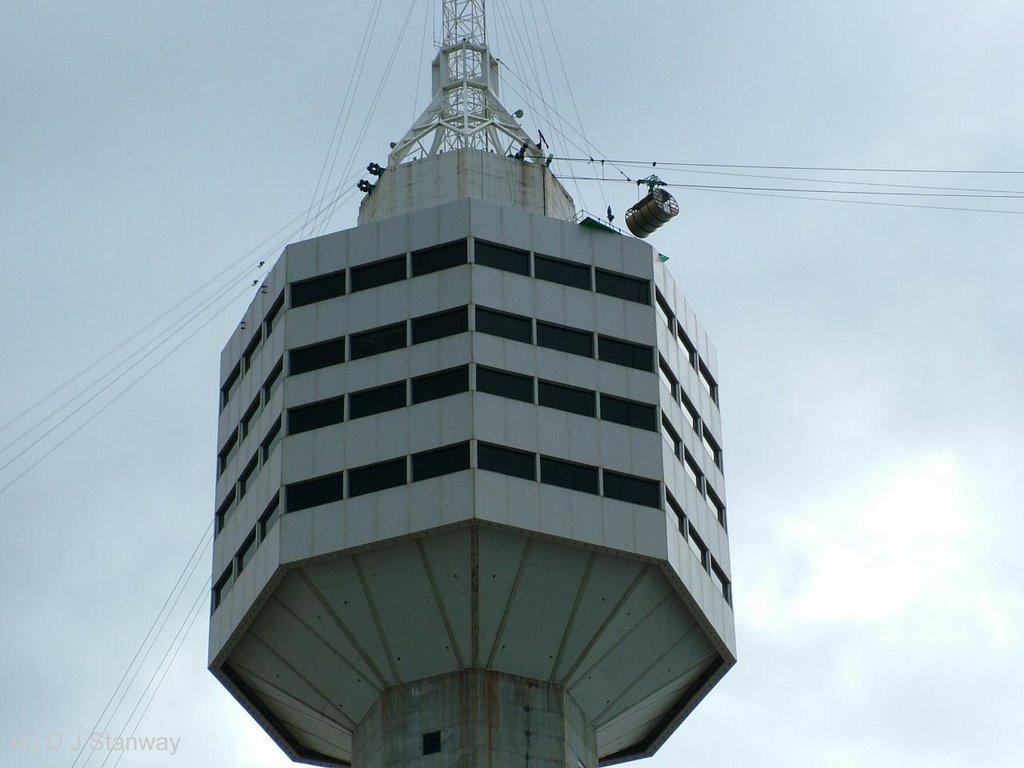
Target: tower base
column 475, row 719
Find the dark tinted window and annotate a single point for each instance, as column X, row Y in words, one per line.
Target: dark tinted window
column 561, row 271
column 690, row 411
column 565, row 339
column 443, row 384
column 622, row 286
column 665, row 371
column 711, row 447
column 565, row 474
column 438, row 258
column 502, row 257
column 250, row 351
column 625, row 353
column 225, row 453
column 693, row 471
column 707, row 381
column 245, row 552
column 721, row 581
column 272, row 438
column 249, row 416
column 318, row 289
column 316, row 415
column 636, row 490
column 671, row 435
column 510, row 385
column 677, row 510
column 221, row 588
column 442, row 461
column 316, row 356
column 274, row 377
column 376, row 400
column 716, row 505
column 225, row 509
column 571, row 399
column 313, row 493
column 245, row 478
column 378, row 273
column 698, row 547
column 507, row 461
column 447, row 323
column 271, row 318
column 666, row 311
column 376, row 477
column 684, row 340
column 378, row 340
column 628, row 412
column 270, row 516
column 515, row 327
column 229, row 385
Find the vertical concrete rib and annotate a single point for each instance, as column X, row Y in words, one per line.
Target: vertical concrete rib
column 632, row 630
column 309, row 683
column 332, row 650
column 508, row 603
column 622, row 702
column 453, row 644
column 572, row 616
column 604, row 625
column 474, row 597
column 376, row 619
column 319, row 597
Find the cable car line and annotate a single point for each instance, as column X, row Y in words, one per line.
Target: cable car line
column 176, row 591
column 681, row 185
column 850, row 169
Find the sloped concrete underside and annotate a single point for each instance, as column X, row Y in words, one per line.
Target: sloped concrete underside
column 615, row 633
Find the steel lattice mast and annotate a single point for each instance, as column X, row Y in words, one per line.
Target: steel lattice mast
column 465, row 112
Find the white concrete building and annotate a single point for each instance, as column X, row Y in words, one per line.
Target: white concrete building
column 470, row 503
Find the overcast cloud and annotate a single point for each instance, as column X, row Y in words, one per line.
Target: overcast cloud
column 870, row 357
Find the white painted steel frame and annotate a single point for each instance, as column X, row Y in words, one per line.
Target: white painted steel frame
column 465, row 112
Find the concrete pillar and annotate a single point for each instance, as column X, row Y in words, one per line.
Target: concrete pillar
column 475, row 719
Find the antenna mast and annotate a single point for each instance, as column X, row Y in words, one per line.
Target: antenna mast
column 465, row 112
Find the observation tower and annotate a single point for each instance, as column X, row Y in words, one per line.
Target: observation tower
column 470, row 506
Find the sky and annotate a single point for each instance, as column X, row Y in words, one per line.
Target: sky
column 870, row 356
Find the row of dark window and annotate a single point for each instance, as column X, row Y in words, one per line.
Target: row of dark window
column 378, row 273
column 237, row 436
column 707, row 381
column 247, row 476
column 263, row 331
column 700, row 549
column 435, row 259
column 424, row 466
column 450, row 322
column 563, row 271
column 453, row 381
column 693, row 470
column 708, row 441
column 243, row 556
column 456, row 458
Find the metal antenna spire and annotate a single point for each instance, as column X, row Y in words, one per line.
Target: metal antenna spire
column 465, row 112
